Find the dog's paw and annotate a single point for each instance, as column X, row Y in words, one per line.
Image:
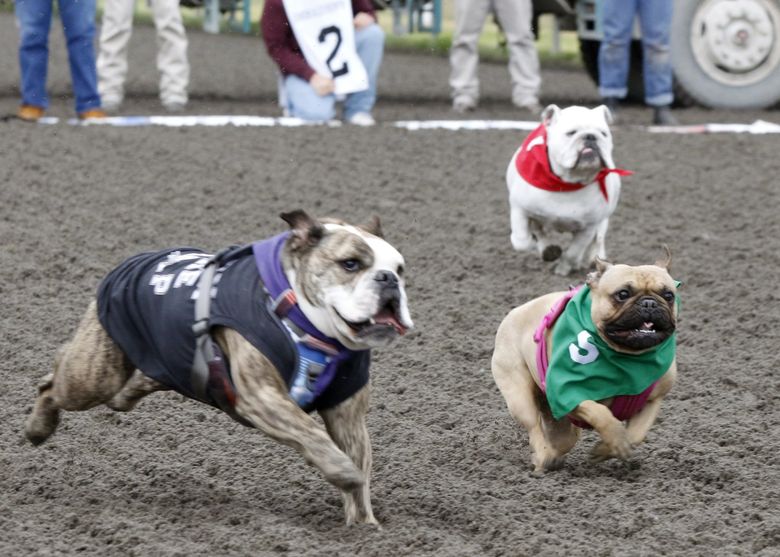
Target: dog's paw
column 551, row 253
column 522, row 243
column 345, row 476
column 39, row 428
column 619, row 447
column 364, row 521
column 120, row 403
column 547, row 464
column 563, row 268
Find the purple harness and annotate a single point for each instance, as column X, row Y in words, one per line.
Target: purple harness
column 623, row 407
column 268, row 257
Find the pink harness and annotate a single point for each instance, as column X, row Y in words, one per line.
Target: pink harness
column 623, row 407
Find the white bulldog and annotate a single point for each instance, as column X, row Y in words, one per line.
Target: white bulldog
column 563, row 179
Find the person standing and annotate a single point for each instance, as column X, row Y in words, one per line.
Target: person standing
column 171, row 53
column 78, row 22
column 515, row 18
column 309, row 84
column 655, row 20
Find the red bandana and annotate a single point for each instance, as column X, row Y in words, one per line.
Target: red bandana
column 534, row 166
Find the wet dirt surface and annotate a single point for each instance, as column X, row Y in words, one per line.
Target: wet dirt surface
column 451, row 468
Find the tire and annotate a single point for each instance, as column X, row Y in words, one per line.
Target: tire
column 717, row 51
column 589, row 49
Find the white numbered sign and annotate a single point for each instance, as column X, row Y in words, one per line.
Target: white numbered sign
column 325, row 32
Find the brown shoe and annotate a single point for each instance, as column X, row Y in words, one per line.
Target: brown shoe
column 92, row 114
column 29, row 113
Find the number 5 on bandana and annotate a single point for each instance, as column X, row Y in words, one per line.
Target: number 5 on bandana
column 584, row 352
column 325, row 32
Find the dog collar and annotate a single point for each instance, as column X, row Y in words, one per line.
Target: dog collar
column 319, row 356
column 533, row 164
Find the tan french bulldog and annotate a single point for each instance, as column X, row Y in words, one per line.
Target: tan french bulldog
column 632, row 320
column 346, row 281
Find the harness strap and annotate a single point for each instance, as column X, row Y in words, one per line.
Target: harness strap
column 282, row 306
column 314, row 372
column 209, row 375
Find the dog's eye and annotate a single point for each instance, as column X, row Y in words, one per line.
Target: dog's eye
column 571, row 133
column 622, row 295
column 350, row 265
column 400, row 271
column 603, row 133
column 668, row 296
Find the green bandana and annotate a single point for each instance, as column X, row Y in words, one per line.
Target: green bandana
column 583, row 367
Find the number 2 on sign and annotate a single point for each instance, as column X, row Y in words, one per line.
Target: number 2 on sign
column 583, row 344
column 344, row 69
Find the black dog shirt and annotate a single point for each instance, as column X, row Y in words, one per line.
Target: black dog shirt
column 147, row 307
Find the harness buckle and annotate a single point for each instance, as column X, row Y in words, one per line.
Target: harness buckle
column 201, row 327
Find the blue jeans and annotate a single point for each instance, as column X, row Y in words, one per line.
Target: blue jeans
column 655, row 19
column 78, row 23
column 303, row 102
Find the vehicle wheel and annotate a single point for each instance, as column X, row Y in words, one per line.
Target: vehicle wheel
column 726, row 54
column 589, row 49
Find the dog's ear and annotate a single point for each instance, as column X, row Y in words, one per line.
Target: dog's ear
column 374, row 227
column 550, row 114
column 601, row 267
column 306, row 231
column 607, row 113
column 666, row 262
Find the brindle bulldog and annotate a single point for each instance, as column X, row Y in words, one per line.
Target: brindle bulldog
column 137, row 337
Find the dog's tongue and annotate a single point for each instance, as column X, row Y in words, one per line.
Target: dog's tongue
column 648, row 326
column 388, row 317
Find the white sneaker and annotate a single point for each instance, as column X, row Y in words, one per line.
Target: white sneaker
column 110, row 104
column 531, row 106
column 362, row 119
column 463, row 104
column 174, row 106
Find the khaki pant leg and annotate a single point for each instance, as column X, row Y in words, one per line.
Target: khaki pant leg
column 464, row 58
column 115, row 34
column 171, row 51
column 515, row 17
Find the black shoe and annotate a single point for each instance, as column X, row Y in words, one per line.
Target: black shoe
column 662, row 116
column 612, row 104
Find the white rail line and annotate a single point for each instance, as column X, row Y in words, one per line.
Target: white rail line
column 757, row 127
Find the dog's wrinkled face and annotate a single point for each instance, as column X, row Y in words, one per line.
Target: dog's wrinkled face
column 579, row 142
column 633, row 308
column 349, row 281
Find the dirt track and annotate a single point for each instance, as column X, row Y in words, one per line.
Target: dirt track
column 451, row 468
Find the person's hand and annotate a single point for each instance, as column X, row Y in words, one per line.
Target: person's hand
column 362, row 19
column 322, row 84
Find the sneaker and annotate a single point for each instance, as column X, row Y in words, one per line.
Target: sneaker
column 174, row 106
column 93, row 114
column 662, row 116
column 29, row 113
column 532, row 106
column 362, row 119
column 109, row 104
column 462, row 105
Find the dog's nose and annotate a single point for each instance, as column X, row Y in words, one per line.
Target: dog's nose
column 386, row 279
column 589, row 137
column 648, row 302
